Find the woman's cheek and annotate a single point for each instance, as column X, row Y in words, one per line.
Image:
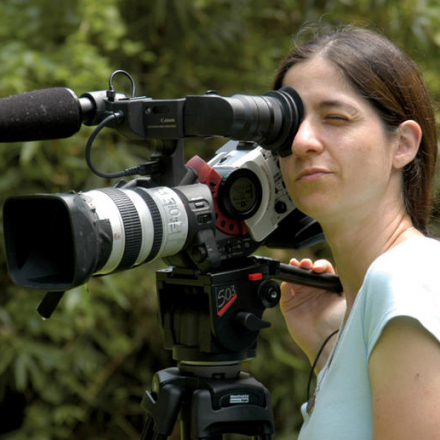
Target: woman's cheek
column 286, row 172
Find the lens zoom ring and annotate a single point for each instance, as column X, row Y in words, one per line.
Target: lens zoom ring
column 132, row 226
column 157, row 223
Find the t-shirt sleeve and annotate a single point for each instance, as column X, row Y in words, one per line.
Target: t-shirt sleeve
column 403, row 282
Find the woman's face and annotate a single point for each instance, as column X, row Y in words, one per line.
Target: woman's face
column 342, row 157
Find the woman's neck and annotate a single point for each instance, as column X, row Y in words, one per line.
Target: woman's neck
column 355, row 244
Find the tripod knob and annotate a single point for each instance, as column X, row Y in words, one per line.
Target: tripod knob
column 251, row 322
column 269, row 293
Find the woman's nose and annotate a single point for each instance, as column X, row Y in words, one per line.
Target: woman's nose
column 307, row 139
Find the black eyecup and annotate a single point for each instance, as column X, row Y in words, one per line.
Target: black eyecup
column 293, row 115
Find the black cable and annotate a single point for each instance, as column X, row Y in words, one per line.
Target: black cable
column 104, row 123
column 133, row 84
column 110, row 121
column 316, row 361
column 142, row 169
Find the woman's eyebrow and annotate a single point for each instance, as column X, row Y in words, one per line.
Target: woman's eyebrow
column 339, row 104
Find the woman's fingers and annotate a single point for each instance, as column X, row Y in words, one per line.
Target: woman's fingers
column 319, row 266
column 322, row 266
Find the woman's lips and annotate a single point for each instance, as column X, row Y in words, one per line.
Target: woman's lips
column 310, row 174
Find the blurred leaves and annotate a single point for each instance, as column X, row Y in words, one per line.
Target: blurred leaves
column 82, row 373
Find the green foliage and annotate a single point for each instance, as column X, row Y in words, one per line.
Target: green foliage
column 82, row 373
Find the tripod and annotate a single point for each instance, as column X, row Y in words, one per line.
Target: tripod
column 211, row 322
column 210, row 403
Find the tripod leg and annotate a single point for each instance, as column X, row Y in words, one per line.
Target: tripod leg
column 148, row 432
column 162, row 410
column 185, row 430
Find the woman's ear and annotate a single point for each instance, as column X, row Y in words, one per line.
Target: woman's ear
column 410, row 135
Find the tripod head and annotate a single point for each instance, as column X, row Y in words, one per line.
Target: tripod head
column 211, row 322
column 216, row 317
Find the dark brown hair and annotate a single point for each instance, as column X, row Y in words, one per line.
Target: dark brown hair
column 386, row 77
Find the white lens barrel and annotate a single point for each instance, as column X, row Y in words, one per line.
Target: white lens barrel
column 145, row 224
column 174, row 221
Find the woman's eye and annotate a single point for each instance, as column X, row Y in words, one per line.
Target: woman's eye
column 337, row 117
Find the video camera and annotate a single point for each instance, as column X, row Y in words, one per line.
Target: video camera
column 201, row 218
column 204, row 219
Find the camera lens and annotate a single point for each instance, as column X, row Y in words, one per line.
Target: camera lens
column 145, row 223
column 74, row 236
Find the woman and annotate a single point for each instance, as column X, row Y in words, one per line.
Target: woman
column 362, row 164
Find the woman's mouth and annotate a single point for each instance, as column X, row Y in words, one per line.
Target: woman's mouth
column 311, row 174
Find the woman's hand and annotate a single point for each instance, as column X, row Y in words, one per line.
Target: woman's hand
column 311, row 314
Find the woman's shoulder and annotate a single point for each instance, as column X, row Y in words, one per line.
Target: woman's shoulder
column 403, row 282
column 411, row 266
column 413, row 256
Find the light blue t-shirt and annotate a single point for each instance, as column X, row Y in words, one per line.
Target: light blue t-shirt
column 402, row 282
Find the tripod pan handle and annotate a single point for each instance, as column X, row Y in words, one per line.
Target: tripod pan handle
column 292, row 274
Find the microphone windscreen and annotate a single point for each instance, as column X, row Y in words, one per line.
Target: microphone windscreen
column 39, row 115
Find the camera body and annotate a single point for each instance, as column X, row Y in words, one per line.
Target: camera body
column 197, row 215
column 236, row 201
column 249, row 188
